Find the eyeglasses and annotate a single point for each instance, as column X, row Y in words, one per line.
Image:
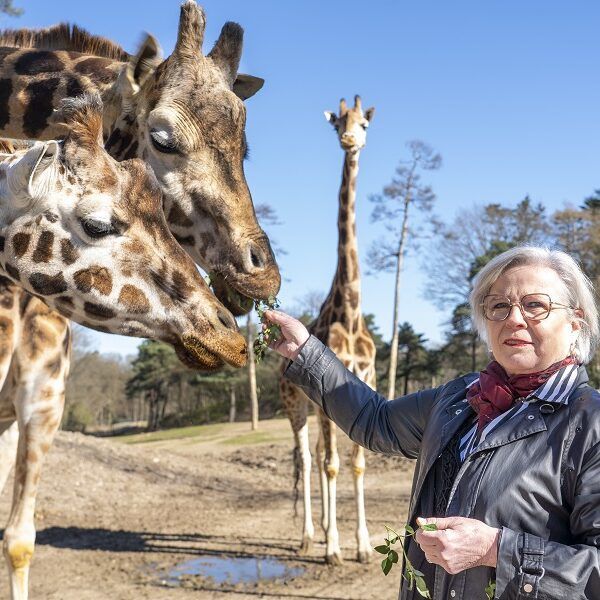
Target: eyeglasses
column 535, row 307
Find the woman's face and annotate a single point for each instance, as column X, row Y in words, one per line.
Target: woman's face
column 523, row 345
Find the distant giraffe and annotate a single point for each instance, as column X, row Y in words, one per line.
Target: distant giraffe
column 341, row 326
column 86, row 235
column 184, row 116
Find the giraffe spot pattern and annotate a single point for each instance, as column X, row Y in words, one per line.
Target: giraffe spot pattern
column 13, row 272
column 40, row 105
column 94, row 278
column 96, row 69
column 38, row 62
column 43, row 250
column 6, row 89
column 133, row 299
column 187, row 240
column 178, row 217
column 48, row 285
column 20, row 243
column 68, row 252
column 74, row 87
column 98, row 311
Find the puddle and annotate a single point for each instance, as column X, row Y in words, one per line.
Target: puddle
column 232, row 571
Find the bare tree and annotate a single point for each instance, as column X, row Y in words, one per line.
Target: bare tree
column 392, row 207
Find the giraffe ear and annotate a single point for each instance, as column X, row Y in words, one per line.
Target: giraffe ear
column 246, row 86
column 33, row 175
column 330, row 116
column 369, row 114
column 140, row 66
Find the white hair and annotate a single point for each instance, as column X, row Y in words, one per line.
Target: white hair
column 579, row 289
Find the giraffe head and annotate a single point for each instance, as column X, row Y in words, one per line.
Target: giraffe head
column 351, row 125
column 87, row 235
column 185, row 117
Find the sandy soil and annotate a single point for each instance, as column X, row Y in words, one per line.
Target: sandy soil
column 114, row 519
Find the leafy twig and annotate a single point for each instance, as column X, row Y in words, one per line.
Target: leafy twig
column 269, row 331
column 414, row 577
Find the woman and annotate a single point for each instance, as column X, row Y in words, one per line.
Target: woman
column 508, row 460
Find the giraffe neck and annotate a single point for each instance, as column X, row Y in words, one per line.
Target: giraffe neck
column 347, row 271
column 34, row 81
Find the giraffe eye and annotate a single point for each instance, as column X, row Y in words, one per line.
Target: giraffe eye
column 97, row 229
column 162, row 143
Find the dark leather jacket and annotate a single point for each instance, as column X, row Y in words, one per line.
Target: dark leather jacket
column 537, row 476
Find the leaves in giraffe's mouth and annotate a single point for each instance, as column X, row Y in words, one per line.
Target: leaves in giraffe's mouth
column 236, row 302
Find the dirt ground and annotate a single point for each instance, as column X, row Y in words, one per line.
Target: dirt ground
column 113, row 519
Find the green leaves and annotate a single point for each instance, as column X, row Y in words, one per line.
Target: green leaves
column 413, row 577
column 490, row 590
column 269, row 332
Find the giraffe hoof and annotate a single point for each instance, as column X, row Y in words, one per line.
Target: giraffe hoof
column 335, row 559
column 364, row 556
column 306, row 547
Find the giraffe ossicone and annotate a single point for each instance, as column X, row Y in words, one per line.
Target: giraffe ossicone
column 85, row 233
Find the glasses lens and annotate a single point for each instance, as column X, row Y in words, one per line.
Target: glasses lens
column 536, row 306
column 496, row 307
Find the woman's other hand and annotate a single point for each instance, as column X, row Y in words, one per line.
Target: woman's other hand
column 293, row 334
column 458, row 543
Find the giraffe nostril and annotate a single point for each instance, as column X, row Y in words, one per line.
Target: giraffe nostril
column 257, row 257
column 227, row 320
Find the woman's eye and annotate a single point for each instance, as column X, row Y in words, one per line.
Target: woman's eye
column 97, row 229
column 162, row 143
column 498, row 305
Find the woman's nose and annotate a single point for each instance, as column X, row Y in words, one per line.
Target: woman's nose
column 515, row 316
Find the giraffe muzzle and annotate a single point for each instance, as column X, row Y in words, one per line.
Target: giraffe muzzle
column 209, row 355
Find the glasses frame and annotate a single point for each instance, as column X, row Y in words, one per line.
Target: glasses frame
column 551, row 304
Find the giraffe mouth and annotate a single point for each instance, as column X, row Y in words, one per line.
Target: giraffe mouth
column 196, row 354
column 237, row 303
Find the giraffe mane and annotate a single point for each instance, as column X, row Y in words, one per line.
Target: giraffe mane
column 63, row 36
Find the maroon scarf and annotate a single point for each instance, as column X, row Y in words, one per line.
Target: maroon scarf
column 496, row 391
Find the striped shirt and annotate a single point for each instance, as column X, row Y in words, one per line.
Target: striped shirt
column 557, row 389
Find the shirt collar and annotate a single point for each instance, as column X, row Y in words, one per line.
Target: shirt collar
column 560, row 385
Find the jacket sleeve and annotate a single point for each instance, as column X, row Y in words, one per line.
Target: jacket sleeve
column 391, row 427
column 529, row 567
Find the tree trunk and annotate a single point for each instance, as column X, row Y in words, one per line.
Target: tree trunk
column 231, row 404
column 252, row 376
column 394, row 347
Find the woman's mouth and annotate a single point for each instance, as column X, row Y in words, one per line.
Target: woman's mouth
column 516, row 343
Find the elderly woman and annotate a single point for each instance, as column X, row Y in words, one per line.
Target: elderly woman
column 508, row 460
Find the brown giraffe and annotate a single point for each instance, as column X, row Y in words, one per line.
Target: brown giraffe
column 184, row 116
column 341, row 326
column 86, row 235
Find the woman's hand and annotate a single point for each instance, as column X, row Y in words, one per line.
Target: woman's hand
column 293, row 334
column 459, row 543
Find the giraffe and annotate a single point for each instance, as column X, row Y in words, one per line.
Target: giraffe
column 184, row 116
column 82, row 237
column 341, row 326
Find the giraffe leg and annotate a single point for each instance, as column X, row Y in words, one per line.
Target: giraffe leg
column 333, row 554
column 295, row 403
column 320, row 451
column 363, row 541
column 39, row 387
column 8, row 450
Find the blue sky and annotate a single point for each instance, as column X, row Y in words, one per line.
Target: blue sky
column 508, row 92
